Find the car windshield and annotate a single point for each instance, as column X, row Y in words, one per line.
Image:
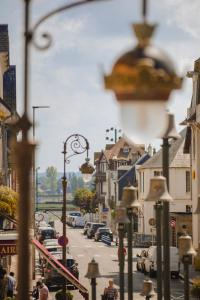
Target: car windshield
column 77, row 214
column 104, row 229
column 48, row 233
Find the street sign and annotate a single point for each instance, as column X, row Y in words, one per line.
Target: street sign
column 105, row 209
column 173, row 223
column 152, row 222
column 63, row 241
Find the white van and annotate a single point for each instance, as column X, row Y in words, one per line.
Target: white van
column 77, row 221
column 150, row 265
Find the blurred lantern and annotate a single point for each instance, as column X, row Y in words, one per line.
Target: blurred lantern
column 87, row 170
column 142, row 81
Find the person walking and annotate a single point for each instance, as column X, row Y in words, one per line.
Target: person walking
column 11, row 284
column 110, row 292
column 43, row 291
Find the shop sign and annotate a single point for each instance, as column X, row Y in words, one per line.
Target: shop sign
column 8, row 249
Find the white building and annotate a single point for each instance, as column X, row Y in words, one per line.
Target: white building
column 192, row 146
column 179, row 187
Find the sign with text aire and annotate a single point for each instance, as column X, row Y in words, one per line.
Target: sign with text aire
column 8, row 249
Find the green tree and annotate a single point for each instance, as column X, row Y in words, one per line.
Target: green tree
column 51, row 174
column 8, row 200
column 83, row 198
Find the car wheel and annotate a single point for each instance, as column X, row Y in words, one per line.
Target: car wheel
column 151, row 273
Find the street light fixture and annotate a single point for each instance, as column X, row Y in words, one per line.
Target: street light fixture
column 87, row 170
column 158, row 192
column 142, row 81
column 121, row 219
column 93, row 273
column 78, row 144
column 186, row 252
column 129, row 199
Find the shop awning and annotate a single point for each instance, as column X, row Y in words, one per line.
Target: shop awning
column 60, row 268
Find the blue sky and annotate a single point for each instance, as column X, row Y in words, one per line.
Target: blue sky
column 86, row 42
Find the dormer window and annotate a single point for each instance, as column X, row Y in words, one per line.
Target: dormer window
column 126, row 150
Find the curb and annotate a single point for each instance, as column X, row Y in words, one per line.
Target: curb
column 181, row 276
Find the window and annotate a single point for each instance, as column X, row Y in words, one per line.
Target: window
column 157, row 173
column 187, row 178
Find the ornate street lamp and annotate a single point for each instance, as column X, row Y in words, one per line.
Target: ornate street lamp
column 24, row 150
column 87, row 170
column 78, row 144
column 129, row 199
column 158, row 192
column 93, row 273
column 186, row 252
column 121, row 219
column 142, row 81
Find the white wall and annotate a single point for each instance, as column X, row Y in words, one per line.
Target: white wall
column 177, row 178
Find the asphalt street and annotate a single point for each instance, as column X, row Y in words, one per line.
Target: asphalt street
column 84, row 250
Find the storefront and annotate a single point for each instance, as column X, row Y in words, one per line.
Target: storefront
column 8, row 248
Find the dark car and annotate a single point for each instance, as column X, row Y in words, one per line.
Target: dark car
column 86, row 227
column 93, row 228
column 53, row 278
column 103, row 231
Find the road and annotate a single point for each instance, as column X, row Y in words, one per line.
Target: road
column 84, row 250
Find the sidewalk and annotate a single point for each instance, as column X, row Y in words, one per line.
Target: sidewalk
column 192, row 273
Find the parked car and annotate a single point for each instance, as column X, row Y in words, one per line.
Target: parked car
column 93, row 228
column 72, row 214
column 150, row 265
column 45, row 233
column 103, row 231
column 86, row 227
column 140, row 260
column 53, row 278
column 76, row 221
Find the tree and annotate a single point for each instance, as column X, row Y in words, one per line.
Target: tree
column 8, row 200
column 83, row 198
column 51, row 174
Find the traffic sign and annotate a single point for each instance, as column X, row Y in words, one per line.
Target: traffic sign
column 63, row 241
column 152, row 222
column 172, row 223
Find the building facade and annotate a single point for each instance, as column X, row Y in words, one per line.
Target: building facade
column 179, row 188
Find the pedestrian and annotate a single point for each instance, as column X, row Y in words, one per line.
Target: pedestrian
column 11, row 284
column 110, row 292
column 124, row 253
column 43, row 291
column 35, row 293
column 3, row 284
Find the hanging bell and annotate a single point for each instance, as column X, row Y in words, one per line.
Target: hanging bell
column 158, row 190
column 185, row 246
column 171, row 131
column 93, row 270
column 148, row 289
column 129, row 198
column 197, row 210
column 121, row 215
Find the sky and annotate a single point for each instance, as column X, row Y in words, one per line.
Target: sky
column 87, row 41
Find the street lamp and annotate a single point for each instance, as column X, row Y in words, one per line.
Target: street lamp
column 170, row 133
column 24, row 149
column 158, row 193
column 142, row 81
column 121, row 219
column 129, row 199
column 93, row 273
column 78, row 144
column 186, row 252
column 34, row 108
column 148, row 290
column 36, row 185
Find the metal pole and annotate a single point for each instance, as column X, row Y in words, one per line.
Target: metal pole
column 166, row 220
column 64, row 185
column 158, row 209
column 121, row 259
column 130, row 253
column 93, row 286
column 186, row 281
